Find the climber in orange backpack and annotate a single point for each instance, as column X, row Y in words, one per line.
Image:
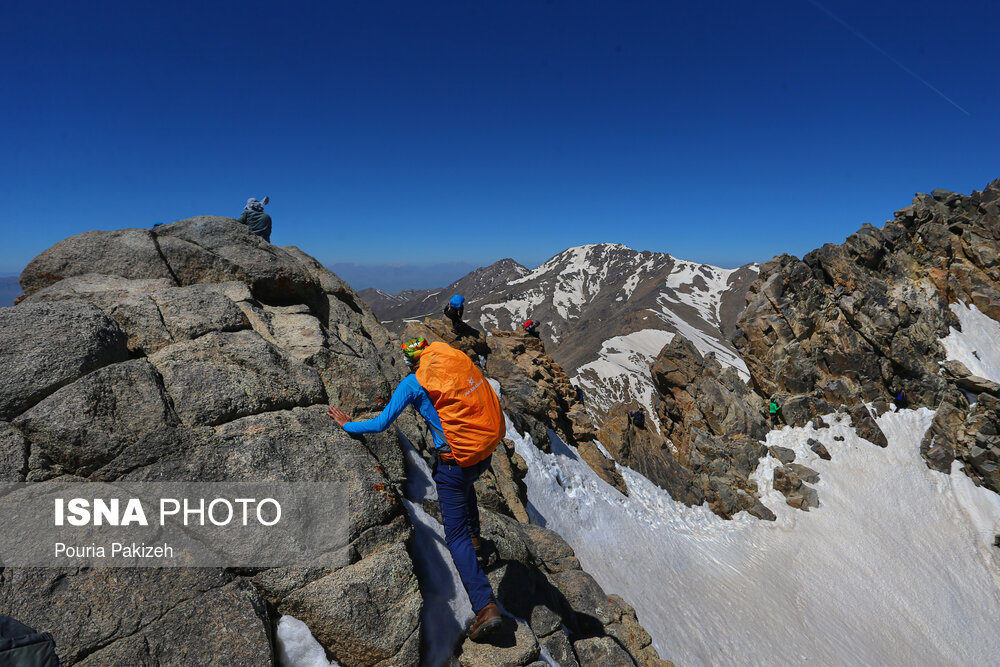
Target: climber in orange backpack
column 466, row 423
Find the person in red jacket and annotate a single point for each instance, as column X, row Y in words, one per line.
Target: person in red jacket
column 531, row 327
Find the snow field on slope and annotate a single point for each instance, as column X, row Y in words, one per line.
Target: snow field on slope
column 621, row 371
column 706, row 283
column 977, row 345
column 894, row 568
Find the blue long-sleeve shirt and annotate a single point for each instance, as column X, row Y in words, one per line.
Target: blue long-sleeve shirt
column 409, row 392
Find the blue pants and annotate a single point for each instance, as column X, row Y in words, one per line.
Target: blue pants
column 460, row 515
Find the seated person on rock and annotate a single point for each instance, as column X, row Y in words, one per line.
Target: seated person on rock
column 466, row 423
column 531, row 327
column 253, row 216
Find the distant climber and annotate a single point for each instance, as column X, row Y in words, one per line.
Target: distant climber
column 774, row 411
column 466, row 424
column 579, row 393
column 531, row 328
column 637, row 418
column 455, row 309
column 900, row 399
column 253, row 216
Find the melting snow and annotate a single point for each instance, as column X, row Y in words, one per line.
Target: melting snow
column 977, row 345
column 297, row 647
column 895, row 566
column 700, row 286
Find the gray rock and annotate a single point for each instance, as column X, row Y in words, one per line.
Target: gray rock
column 224, row 376
column 367, row 613
column 13, row 454
column 217, row 249
column 234, row 616
column 44, row 346
column 558, row 646
column 127, row 253
column 157, row 319
column 89, row 611
column 866, row 427
column 103, row 291
column 803, row 498
column 601, row 652
column 511, row 646
column 819, row 449
column 602, row 465
column 804, row 473
column 797, row 494
column 190, row 312
column 87, row 424
column 783, row 454
column 586, row 598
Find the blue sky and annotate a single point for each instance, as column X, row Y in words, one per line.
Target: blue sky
column 431, row 132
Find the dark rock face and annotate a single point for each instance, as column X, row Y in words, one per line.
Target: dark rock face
column 712, row 427
column 198, row 352
column 698, row 393
column 647, row 452
column 852, row 323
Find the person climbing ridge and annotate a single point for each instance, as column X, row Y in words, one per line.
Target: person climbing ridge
column 455, row 309
column 531, row 327
column 900, row 399
column 466, row 424
column 637, row 418
column 774, row 410
column 253, row 216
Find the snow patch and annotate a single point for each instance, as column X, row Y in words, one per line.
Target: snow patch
column 977, row 345
column 894, row 567
column 297, row 647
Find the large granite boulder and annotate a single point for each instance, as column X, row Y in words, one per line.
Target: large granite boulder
column 45, row 346
column 199, row 352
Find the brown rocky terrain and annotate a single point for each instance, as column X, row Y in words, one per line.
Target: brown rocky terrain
column 852, row 323
column 199, row 352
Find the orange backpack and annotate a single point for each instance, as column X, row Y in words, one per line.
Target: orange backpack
column 470, row 412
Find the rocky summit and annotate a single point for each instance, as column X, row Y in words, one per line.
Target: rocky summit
column 855, row 323
column 199, row 352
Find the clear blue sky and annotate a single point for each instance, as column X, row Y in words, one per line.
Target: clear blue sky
column 427, row 132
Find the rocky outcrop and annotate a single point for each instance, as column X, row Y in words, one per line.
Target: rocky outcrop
column 198, row 352
column 853, row 323
column 646, row 451
column 712, row 424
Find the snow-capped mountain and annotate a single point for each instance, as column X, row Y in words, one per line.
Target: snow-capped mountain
column 605, row 311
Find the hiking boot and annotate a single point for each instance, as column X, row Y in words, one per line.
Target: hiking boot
column 487, row 622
